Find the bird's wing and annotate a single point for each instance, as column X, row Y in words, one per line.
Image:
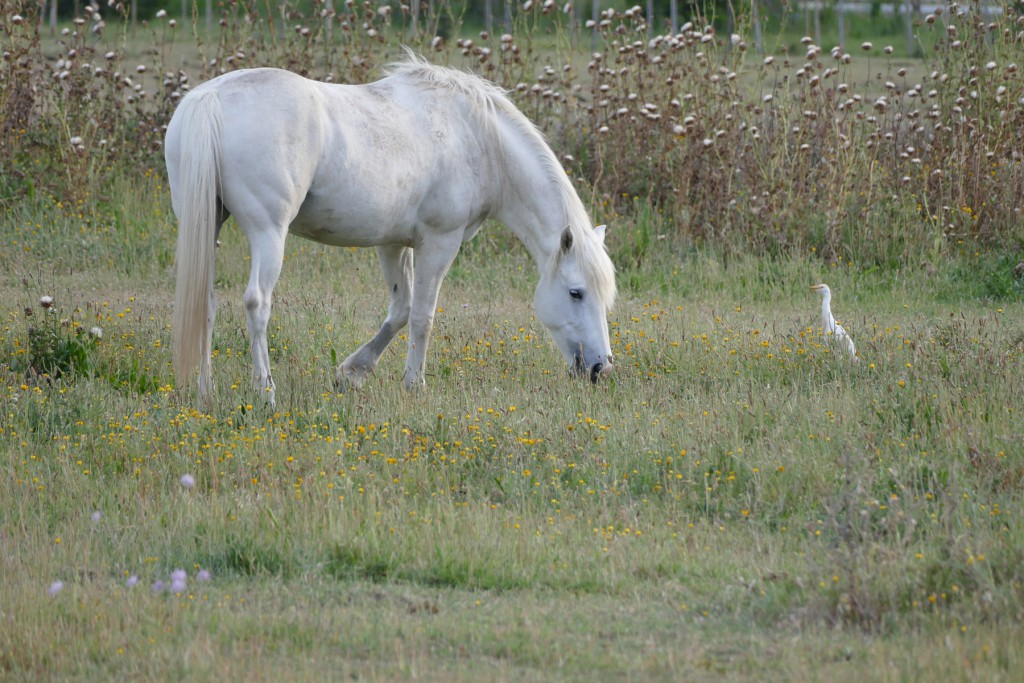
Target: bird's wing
column 845, row 339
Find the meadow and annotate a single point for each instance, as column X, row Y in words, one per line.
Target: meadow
column 736, row 503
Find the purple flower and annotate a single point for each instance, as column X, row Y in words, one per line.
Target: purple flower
column 158, row 586
column 132, row 580
column 188, row 481
column 97, row 516
column 55, row 587
column 203, row 575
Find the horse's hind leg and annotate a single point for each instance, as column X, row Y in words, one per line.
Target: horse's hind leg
column 206, row 363
column 267, row 252
column 396, row 263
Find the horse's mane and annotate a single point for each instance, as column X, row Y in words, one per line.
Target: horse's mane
column 487, row 101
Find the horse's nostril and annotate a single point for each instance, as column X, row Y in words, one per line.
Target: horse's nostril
column 595, row 372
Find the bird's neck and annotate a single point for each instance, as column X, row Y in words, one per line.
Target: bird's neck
column 826, row 314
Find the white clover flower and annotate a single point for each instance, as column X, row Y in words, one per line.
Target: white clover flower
column 96, row 332
column 161, row 14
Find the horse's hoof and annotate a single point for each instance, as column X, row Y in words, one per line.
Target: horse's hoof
column 413, row 383
column 349, row 379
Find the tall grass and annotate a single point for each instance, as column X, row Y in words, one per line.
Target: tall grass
column 844, row 150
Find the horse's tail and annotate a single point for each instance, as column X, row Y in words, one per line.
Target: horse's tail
column 199, row 147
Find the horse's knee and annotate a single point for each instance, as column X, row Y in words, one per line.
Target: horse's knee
column 420, row 321
column 400, row 316
column 257, row 308
column 251, row 300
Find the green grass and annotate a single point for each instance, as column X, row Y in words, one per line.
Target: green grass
column 735, row 504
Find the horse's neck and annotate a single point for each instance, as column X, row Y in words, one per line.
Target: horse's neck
column 536, row 206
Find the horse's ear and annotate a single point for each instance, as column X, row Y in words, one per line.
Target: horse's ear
column 566, row 240
column 599, row 231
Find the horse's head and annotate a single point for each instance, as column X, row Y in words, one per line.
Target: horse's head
column 573, row 298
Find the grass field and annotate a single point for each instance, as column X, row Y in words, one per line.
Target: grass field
column 736, row 504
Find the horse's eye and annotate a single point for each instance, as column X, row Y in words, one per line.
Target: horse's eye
column 576, row 294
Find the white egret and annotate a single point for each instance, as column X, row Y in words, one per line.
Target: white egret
column 835, row 335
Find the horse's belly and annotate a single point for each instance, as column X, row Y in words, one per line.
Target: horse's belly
column 346, row 229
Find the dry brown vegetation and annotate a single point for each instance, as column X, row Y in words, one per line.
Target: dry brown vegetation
column 841, row 149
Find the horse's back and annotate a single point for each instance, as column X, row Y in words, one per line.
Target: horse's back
column 349, row 164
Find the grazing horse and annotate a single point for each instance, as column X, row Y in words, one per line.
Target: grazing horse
column 412, row 165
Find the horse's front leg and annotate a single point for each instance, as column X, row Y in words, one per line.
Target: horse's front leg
column 396, row 264
column 432, row 263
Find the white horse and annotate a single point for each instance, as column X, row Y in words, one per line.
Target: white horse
column 411, row 164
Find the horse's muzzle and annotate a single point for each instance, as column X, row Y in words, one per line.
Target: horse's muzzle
column 600, row 370
column 597, row 370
